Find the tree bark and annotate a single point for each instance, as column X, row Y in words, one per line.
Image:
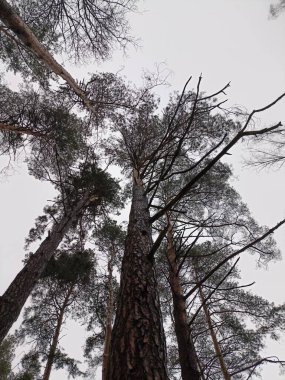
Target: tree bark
column 19, row 290
column 186, row 349
column 25, row 35
column 217, row 347
column 55, row 337
column 138, row 349
column 109, row 320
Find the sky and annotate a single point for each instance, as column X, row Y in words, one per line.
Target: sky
column 227, row 41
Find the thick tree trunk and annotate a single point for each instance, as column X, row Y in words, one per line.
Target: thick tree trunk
column 186, row 349
column 19, row 290
column 25, row 35
column 55, row 337
column 109, row 319
column 217, row 347
column 138, row 345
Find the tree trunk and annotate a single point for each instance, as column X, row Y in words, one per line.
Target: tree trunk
column 25, row 35
column 217, row 347
column 186, row 349
column 138, row 345
column 107, row 343
column 200, row 367
column 55, row 337
column 19, row 290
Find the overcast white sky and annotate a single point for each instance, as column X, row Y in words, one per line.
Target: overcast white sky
column 225, row 40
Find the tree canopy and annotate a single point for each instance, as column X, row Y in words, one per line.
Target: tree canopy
column 160, row 296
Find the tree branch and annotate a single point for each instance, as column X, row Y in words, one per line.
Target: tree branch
column 212, row 292
column 218, row 266
column 20, row 130
column 25, row 35
column 224, row 151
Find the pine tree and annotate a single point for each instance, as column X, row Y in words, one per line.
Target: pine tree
column 211, row 211
column 6, row 357
column 61, row 293
column 151, row 147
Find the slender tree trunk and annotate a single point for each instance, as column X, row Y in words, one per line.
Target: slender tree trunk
column 107, row 343
column 55, row 337
column 186, row 349
column 217, row 347
column 25, row 36
column 138, row 349
column 19, row 290
column 200, row 367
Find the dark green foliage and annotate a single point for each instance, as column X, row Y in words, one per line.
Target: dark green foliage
column 30, row 366
column 62, row 360
column 110, row 236
column 24, row 376
column 100, row 183
column 105, row 197
column 6, row 356
column 73, row 268
column 108, row 92
column 65, row 282
column 43, row 120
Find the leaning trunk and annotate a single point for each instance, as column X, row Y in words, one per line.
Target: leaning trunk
column 109, row 319
column 215, row 341
column 25, row 36
column 138, row 345
column 186, row 349
column 53, row 346
column 19, row 290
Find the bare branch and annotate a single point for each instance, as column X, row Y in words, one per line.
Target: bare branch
column 234, row 254
column 213, row 291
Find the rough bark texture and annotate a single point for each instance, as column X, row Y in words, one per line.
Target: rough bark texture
column 217, row 347
column 9, row 18
column 107, row 343
column 55, row 337
column 186, row 349
column 138, row 344
column 19, row 290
